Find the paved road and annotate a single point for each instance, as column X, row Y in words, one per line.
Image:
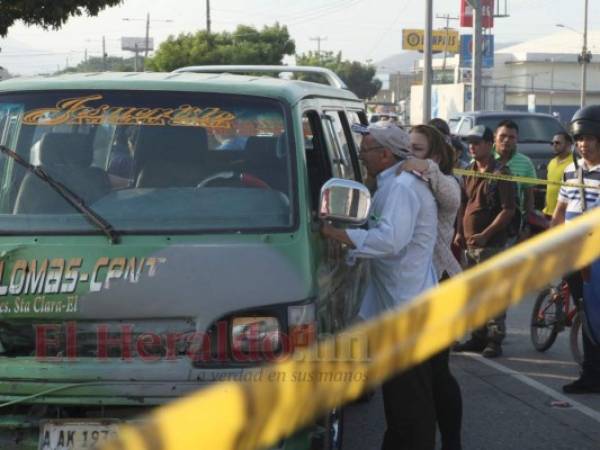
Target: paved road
column 507, row 401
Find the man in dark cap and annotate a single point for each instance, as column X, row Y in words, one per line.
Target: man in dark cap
column 487, row 209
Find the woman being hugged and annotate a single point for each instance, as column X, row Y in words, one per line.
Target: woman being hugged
column 433, row 160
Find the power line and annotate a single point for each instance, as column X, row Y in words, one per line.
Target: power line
column 320, row 12
column 386, row 31
column 300, row 15
column 27, row 55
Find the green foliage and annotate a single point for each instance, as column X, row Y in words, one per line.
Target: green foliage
column 358, row 77
column 113, row 64
column 246, row 45
column 47, row 13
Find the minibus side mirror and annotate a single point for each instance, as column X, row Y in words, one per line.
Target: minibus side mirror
column 344, row 202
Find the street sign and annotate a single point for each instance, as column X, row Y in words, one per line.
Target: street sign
column 136, row 44
column 466, row 51
column 442, row 40
column 487, row 14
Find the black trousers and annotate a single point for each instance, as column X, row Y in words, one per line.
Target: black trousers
column 448, row 401
column 410, row 410
column 414, row 399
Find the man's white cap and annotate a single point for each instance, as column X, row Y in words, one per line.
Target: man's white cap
column 388, row 135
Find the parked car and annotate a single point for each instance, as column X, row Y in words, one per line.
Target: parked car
column 535, row 131
column 384, row 117
column 150, row 258
column 535, row 136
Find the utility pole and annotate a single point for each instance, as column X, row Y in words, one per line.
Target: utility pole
column 585, row 57
column 147, row 36
column 532, row 80
column 319, row 39
column 427, row 61
column 147, row 42
column 447, row 18
column 104, row 53
column 551, row 85
column 208, row 17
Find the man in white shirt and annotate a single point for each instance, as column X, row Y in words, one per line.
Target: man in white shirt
column 399, row 245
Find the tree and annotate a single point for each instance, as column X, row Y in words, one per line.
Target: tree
column 358, row 77
column 112, row 63
column 246, row 45
column 47, row 14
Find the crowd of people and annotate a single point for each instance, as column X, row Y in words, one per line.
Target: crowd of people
column 426, row 225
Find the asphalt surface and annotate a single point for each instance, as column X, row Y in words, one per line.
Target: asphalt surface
column 509, row 402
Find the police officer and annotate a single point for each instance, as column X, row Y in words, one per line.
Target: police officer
column 572, row 202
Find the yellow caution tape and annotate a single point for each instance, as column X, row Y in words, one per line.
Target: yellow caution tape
column 258, row 414
column 525, row 180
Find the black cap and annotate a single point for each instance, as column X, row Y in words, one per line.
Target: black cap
column 480, row 133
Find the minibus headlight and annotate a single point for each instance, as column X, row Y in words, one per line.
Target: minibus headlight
column 255, row 336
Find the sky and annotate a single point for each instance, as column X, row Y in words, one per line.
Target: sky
column 364, row 30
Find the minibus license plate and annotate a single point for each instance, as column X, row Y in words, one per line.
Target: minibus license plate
column 75, row 434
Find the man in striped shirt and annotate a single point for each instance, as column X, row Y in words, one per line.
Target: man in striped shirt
column 572, row 202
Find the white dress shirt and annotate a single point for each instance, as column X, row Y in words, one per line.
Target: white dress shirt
column 399, row 242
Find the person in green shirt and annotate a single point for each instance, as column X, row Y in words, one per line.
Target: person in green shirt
column 561, row 144
column 505, row 145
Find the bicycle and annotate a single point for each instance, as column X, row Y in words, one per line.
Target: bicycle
column 552, row 311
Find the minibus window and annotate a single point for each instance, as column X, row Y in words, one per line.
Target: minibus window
column 148, row 161
column 355, row 117
column 342, row 158
column 317, row 162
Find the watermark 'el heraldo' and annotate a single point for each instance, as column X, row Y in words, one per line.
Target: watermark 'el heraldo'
column 67, row 342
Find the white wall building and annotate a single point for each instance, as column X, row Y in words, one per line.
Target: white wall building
column 546, row 67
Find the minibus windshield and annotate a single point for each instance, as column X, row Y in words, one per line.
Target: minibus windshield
column 145, row 161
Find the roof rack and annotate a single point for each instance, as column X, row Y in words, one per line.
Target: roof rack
column 332, row 78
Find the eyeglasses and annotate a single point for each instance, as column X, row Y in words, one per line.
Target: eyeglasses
column 369, row 149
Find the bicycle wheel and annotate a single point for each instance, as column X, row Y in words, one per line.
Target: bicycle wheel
column 576, row 338
column 544, row 325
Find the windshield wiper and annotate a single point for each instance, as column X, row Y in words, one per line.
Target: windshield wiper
column 71, row 197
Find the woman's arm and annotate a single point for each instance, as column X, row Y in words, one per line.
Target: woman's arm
column 445, row 188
